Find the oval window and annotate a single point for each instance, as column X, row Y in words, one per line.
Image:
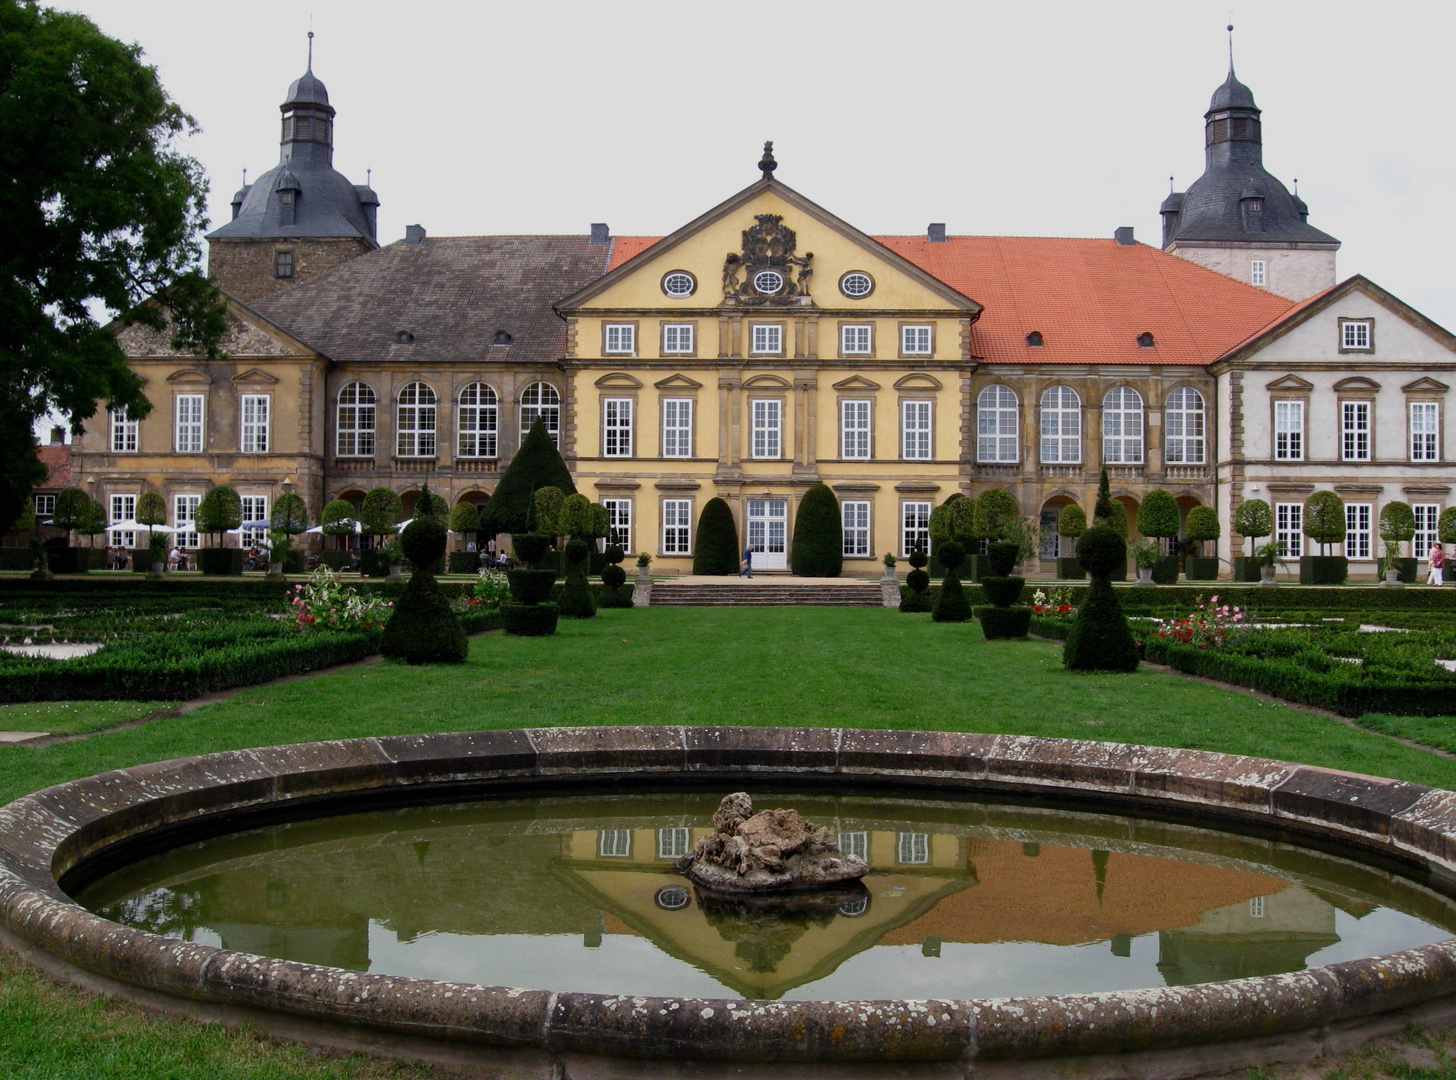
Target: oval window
column 856, row 283
column 768, row 282
column 679, row 283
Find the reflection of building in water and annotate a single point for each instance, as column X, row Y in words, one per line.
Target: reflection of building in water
column 1267, row 935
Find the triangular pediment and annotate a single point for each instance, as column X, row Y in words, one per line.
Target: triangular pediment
column 254, row 377
column 767, row 382
column 917, row 380
column 678, row 381
column 1425, row 384
column 192, row 375
column 246, row 334
column 619, row 380
column 838, row 248
column 1290, row 382
column 856, row 382
column 1357, row 384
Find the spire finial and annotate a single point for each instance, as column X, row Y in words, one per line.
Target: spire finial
column 1296, row 187
column 767, row 162
column 1231, row 47
column 310, row 46
column 1170, row 185
column 245, row 178
column 368, row 177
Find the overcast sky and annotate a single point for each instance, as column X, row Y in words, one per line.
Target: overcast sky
column 1047, row 119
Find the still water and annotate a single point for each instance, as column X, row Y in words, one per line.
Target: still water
column 964, row 899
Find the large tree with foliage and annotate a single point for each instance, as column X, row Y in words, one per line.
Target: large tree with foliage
column 537, row 464
column 101, row 215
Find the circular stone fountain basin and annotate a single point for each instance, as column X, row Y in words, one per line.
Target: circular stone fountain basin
column 77, row 833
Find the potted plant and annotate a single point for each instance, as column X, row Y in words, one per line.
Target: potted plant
column 464, row 522
column 378, row 515
column 156, row 554
column 1253, row 521
column 1071, row 523
column 219, row 511
column 1264, row 556
column 280, row 546
column 393, row 556
column 1157, row 517
column 1398, row 526
column 1324, row 523
column 337, row 520
column 72, row 507
column 644, row 561
column 290, row 517
column 1145, row 555
column 1201, row 527
column 151, row 511
column 889, row 560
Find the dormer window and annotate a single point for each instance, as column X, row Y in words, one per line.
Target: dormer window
column 1145, row 341
column 404, row 337
column 501, row 338
column 1252, row 208
column 1034, row 339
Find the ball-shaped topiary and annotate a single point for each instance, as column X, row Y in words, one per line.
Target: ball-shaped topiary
column 423, row 541
column 918, row 559
column 576, row 598
column 715, row 544
column 613, row 576
column 1254, row 520
column 1397, row 522
column 613, row 555
column 1003, row 556
column 1446, row 526
column 1101, row 551
column 818, row 547
column 1158, row 514
column 1324, row 518
column 1202, row 524
column 951, row 554
column 1072, row 522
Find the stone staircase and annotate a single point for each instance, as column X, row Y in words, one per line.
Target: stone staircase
column 863, row 594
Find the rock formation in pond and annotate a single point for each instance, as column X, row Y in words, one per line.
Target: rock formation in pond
column 770, row 851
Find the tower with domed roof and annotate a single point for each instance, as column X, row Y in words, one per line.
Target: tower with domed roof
column 302, row 216
column 1240, row 220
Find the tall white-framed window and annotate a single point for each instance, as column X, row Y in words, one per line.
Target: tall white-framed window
column 354, row 434
column 1257, row 273
column 254, row 427
column 677, row 427
column 123, row 431
column 187, row 416
column 1288, row 431
column 916, row 341
column 765, row 339
column 619, row 339
column 1355, row 334
column 672, row 843
column 619, row 522
column 855, row 339
column 854, row 843
column 617, row 427
column 1183, row 433
column 1424, row 426
column 677, row 527
column 854, row 429
column 477, row 421
column 1427, row 515
column 915, row 433
column 677, row 338
column 1122, row 426
column 540, row 401
column 767, row 427
column 255, row 508
column 415, row 421
column 1061, row 426
column 912, row 848
column 855, row 515
column 122, row 508
column 614, row 843
column 1355, row 430
column 1289, row 529
column 1357, row 530
column 997, row 424
column 914, row 527
column 184, row 517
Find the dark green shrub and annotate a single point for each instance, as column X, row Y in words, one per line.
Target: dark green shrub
column 1099, row 638
column 999, row 623
column 1324, row 519
column 1102, row 508
column 531, row 548
column 1069, row 569
column 818, row 547
column 531, row 586
column 715, row 545
column 1323, row 569
column 336, row 560
column 220, row 561
column 576, row 597
column 1003, row 591
column 951, row 605
column 917, row 559
column 372, row 563
column 546, row 504
column 422, row 629
column 1101, row 551
column 952, row 554
column 528, row 620
column 1165, row 570
column 219, row 509
column 1158, row 515
column 575, row 518
column 613, row 555
column 462, row 562
column 614, row 577
column 423, row 541
column 1197, row 568
column 290, row 514
column 1003, row 557
column 464, row 519
column 912, row 600
column 72, row 505
column 1254, row 521
column 537, row 464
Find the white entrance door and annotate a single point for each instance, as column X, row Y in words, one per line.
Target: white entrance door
column 768, row 531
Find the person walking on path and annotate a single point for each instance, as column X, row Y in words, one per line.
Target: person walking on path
column 1437, row 572
column 745, row 568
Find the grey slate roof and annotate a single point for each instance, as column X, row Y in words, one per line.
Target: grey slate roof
column 1231, row 95
column 453, row 294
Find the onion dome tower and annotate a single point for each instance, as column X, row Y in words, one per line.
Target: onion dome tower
column 1238, row 219
column 302, row 216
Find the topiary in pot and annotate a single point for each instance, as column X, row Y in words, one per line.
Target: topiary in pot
column 1099, row 638
column 1202, row 526
column 422, row 629
column 1398, row 526
column 1157, row 517
column 917, row 581
column 951, row 605
column 1253, row 520
column 818, row 547
column 576, row 598
column 1324, row 523
column 715, row 544
column 1002, row 555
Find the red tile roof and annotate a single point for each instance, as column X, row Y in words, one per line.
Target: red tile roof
column 57, row 460
column 1089, row 299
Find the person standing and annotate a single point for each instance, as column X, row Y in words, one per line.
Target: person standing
column 1437, row 557
column 745, row 568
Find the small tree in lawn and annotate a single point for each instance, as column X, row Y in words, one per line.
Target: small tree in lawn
column 715, row 543
column 1324, row 519
column 71, row 506
column 219, row 511
column 1253, row 519
column 818, row 548
column 1202, row 525
column 1397, row 526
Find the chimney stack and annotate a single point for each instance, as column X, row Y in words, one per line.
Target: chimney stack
column 414, row 234
column 935, row 232
column 58, row 436
column 1124, row 236
column 600, row 234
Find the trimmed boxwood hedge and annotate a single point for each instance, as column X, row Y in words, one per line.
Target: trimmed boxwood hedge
column 1004, row 622
column 529, row 620
column 1323, row 569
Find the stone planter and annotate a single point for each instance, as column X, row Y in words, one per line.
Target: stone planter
column 645, row 572
column 889, row 577
column 158, row 567
column 1165, row 570
column 395, row 571
column 1323, row 569
column 1246, row 568
column 1145, row 575
column 1199, row 568
column 1407, row 569
column 1393, row 579
column 1266, row 575
column 275, row 571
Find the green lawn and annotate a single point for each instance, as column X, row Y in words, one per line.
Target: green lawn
column 852, row 667
column 70, row 717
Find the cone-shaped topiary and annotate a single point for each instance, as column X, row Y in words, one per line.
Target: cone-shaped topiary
column 715, row 545
column 1099, row 638
column 1102, row 508
column 422, row 628
column 576, row 598
column 536, row 464
column 818, row 548
column 951, row 605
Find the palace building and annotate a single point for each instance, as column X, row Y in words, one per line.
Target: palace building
column 769, row 345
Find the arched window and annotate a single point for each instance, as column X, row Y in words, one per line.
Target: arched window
column 1183, row 427
column 996, row 424
column 415, row 425
column 541, row 401
column 1061, row 426
column 1122, row 426
column 476, row 421
column 355, row 430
